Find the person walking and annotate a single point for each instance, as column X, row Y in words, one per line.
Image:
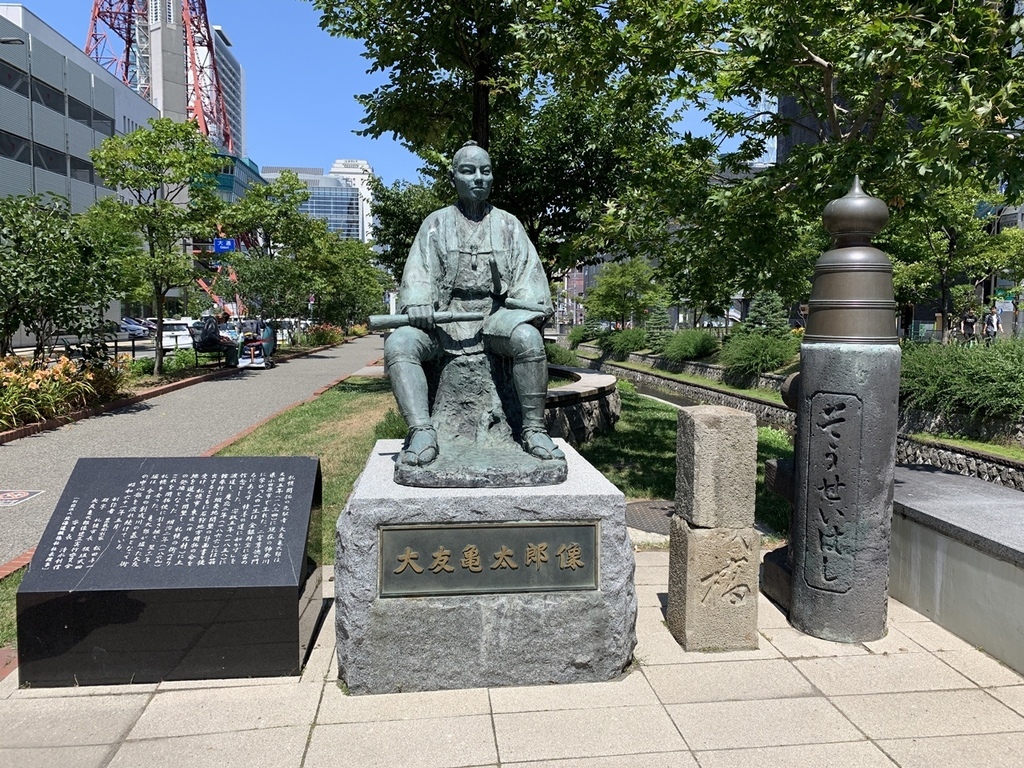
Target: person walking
column 993, row 325
column 968, row 326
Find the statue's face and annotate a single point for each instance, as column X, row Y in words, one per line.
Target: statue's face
column 471, row 174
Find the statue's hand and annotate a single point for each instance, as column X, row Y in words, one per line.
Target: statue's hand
column 421, row 316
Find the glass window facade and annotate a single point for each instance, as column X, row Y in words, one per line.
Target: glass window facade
column 339, row 206
column 13, row 78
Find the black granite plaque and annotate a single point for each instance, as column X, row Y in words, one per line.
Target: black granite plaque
column 484, row 558
column 174, row 569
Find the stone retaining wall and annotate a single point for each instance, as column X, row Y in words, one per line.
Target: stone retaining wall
column 580, row 411
column 962, row 462
column 908, row 451
column 764, row 411
column 710, row 371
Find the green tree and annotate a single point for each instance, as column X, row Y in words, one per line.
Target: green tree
column 347, row 284
column 166, row 172
column 58, row 270
column 943, row 241
column 398, row 212
column 445, row 64
column 274, row 232
column 623, row 290
column 913, row 97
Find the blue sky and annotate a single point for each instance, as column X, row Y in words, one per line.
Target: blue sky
column 300, row 82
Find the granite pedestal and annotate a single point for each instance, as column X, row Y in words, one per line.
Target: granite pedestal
column 174, row 569
column 474, row 587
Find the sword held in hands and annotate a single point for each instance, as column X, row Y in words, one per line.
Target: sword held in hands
column 383, row 322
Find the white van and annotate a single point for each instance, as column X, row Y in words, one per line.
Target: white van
column 176, row 335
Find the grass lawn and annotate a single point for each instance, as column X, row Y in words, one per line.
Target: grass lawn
column 1005, row 451
column 339, row 427
column 8, row 627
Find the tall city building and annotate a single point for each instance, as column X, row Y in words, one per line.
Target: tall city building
column 232, row 88
column 341, row 197
column 56, row 105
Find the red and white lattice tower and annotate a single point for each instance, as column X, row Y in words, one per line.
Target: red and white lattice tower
column 120, row 41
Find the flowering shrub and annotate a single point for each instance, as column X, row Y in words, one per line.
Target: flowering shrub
column 358, row 330
column 29, row 393
column 323, row 334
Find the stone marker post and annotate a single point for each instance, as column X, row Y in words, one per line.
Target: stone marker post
column 846, row 432
column 713, row 547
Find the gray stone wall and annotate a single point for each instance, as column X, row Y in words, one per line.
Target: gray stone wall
column 764, row 411
column 908, row 451
column 963, row 462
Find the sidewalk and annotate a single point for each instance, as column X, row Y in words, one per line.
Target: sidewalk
column 918, row 698
column 187, row 422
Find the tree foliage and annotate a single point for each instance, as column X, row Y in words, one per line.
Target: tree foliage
column 445, row 62
column 914, row 97
column 623, row 290
column 58, row 271
column 398, row 212
column 166, row 173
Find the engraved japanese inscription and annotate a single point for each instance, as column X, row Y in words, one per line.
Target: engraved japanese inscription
column 487, row 558
column 728, row 584
column 179, row 519
column 832, row 519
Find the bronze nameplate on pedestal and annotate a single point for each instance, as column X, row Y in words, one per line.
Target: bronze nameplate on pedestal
column 486, row 558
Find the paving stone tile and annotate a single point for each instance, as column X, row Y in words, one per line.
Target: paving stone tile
column 1012, row 696
column 981, row 668
column 629, row 690
column 794, row 644
column 727, row 681
column 584, row 733
column 932, row 637
column 656, row 575
column 847, row 675
column 84, row 690
column 657, row 558
column 338, row 707
column 436, row 743
column 858, row 754
column 655, row 645
column 71, row 721
column 998, row 750
column 227, row 682
column 659, row 760
column 904, row 614
column 893, row 642
column 743, row 724
column 651, row 596
column 215, row 710
column 268, row 748
column 769, row 615
column 931, row 713
column 55, row 757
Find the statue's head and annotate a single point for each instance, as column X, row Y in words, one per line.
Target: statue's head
column 471, row 173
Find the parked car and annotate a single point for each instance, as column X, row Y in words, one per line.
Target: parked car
column 133, row 328
column 176, row 335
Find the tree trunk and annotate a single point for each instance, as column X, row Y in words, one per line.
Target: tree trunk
column 158, row 358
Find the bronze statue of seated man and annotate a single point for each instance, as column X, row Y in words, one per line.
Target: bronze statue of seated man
column 471, row 259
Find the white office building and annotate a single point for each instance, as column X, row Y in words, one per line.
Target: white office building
column 341, row 197
column 232, row 88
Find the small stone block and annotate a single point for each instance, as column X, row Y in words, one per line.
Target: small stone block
column 712, row 587
column 716, row 466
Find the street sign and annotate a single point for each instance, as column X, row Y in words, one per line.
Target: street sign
column 223, row 244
